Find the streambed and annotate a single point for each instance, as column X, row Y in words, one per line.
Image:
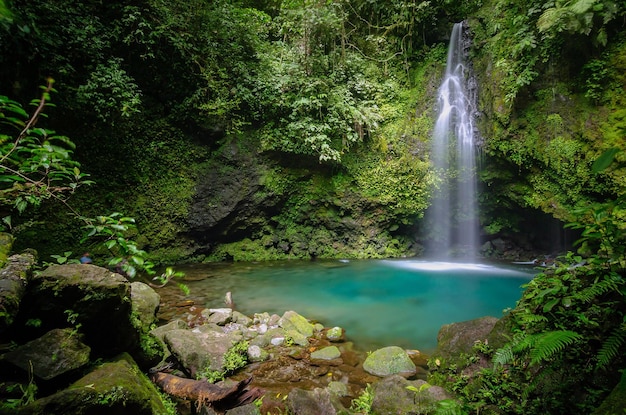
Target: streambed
column 378, row 302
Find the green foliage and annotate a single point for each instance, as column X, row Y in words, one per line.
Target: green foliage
column 597, row 78
column 235, row 358
column 605, row 160
column 110, row 92
column 116, row 395
column 568, row 316
column 612, row 346
column 423, row 406
column 28, row 391
column 65, row 258
column 449, row 407
column 603, row 226
column 362, row 404
column 541, row 346
column 322, row 113
column 401, row 184
column 171, row 275
column 35, row 163
column 114, row 233
column 581, row 17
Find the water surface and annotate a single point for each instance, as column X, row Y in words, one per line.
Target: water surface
column 378, row 302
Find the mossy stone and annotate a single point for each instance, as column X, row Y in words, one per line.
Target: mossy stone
column 117, row 387
column 390, row 360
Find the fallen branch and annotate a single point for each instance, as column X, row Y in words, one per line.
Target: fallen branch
column 207, row 394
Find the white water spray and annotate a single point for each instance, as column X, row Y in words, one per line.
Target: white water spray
column 453, row 216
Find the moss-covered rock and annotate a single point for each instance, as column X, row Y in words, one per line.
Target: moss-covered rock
column 55, row 353
column 145, row 303
column 294, row 321
column 315, row 402
column 116, row 387
column 396, row 395
column 13, row 278
column 6, row 245
column 80, row 295
column 391, row 360
column 327, row 353
column 615, row 403
column 459, row 338
column 202, row 350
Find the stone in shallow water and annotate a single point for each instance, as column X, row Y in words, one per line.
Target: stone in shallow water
column 256, row 354
column 219, row 316
column 390, row 360
column 296, row 337
column 294, row 321
column 335, row 334
column 57, row 352
column 327, row 353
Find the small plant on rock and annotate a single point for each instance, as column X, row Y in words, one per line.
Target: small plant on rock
column 236, row 357
column 363, row 403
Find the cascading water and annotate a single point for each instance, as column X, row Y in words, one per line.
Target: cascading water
column 452, row 218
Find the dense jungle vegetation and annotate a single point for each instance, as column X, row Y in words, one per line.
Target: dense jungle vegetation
column 295, row 129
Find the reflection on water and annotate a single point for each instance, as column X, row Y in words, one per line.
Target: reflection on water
column 378, row 302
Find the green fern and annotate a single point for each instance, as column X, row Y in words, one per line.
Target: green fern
column 506, row 354
column 542, row 346
column 530, row 319
column 503, row 356
column 597, row 289
column 611, row 347
column 449, row 407
column 546, row 345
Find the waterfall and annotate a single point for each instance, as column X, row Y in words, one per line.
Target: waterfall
column 452, row 219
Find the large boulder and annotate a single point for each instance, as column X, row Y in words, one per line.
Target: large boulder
column 92, row 299
column 316, row 402
column 392, row 360
column 13, row 278
column 202, row 349
column 145, row 303
column 55, row 353
column 459, row 338
column 117, row 387
column 396, row 395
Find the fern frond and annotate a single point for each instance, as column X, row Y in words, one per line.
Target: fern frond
column 546, row 345
column 549, row 18
column 610, row 348
column 581, row 6
column 601, row 287
column 528, row 318
column 506, row 354
column 503, row 356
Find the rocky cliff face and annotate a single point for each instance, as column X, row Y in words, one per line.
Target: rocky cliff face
column 249, row 206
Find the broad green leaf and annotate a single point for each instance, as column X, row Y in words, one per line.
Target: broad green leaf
column 605, row 160
column 137, row 260
column 550, row 305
